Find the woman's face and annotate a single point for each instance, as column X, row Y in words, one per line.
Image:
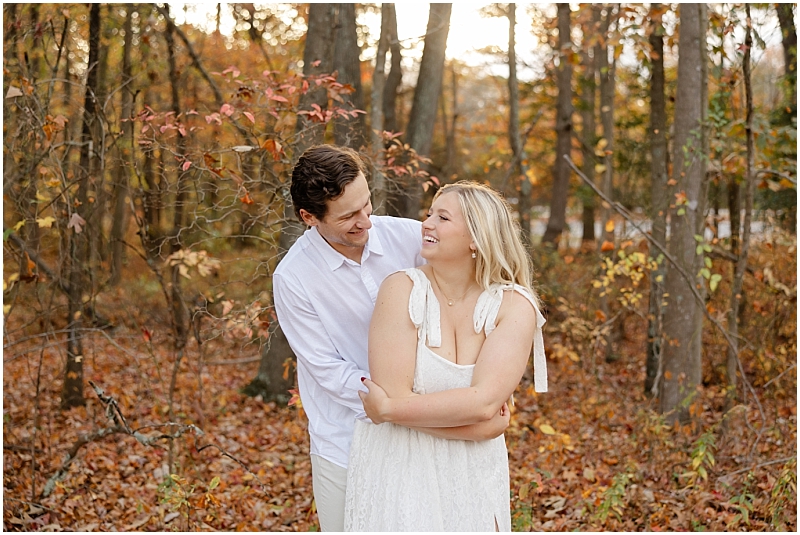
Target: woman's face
column 445, row 235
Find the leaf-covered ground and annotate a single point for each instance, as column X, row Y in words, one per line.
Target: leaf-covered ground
column 591, row 454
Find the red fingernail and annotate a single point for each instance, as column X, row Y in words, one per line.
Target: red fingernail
column 363, row 379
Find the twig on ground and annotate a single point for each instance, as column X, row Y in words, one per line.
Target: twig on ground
column 121, row 426
column 790, row 368
column 246, row 360
column 761, row 465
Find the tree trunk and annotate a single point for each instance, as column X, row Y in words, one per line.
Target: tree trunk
column 150, row 187
column 451, row 161
column 317, row 59
column 683, row 319
column 659, row 200
column 607, row 86
column 34, row 54
column 346, row 60
column 99, row 248
column 422, row 119
column 789, row 34
column 376, row 111
column 179, row 313
column 741, row 259
column 607, row 89
column 515, row 138
column 588, row 86
column 121, row 187
column 561, row 171
column 395, row 76
column 80, row 263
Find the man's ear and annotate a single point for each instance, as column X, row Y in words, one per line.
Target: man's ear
column 308, row 218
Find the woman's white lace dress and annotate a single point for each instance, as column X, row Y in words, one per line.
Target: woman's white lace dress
column 403, row 480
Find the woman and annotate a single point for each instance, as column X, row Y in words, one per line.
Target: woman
column 448, row 345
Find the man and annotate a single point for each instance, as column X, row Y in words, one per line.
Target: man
column 325, row 290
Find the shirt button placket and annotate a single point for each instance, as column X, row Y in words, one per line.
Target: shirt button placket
column 369, row 284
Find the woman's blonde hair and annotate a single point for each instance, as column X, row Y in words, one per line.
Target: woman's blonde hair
column 501, row 257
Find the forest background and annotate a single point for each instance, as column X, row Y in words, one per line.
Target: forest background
column 649, row 152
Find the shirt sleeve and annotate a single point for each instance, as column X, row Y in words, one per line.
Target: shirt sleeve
column 313, row 347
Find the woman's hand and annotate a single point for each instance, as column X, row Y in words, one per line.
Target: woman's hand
column 375, row 401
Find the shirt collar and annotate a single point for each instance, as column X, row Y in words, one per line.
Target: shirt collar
column 334, row 258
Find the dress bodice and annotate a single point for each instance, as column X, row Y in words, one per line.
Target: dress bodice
column 433, row 372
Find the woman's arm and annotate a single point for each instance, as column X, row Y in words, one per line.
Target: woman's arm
column 480, row 431
column 497, row 373
column 392, row 359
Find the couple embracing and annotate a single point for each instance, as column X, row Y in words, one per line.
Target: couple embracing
column 410, row 338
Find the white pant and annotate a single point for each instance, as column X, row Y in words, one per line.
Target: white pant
column 330, row 484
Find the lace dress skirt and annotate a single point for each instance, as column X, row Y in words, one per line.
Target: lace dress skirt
column 400, row 479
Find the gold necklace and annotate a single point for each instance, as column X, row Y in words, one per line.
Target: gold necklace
column 450, row 302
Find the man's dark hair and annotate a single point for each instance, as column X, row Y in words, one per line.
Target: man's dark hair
column 321, row 174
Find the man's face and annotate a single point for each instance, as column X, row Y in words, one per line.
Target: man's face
column 346, row 223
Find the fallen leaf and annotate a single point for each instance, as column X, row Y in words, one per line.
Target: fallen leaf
column 547, row 430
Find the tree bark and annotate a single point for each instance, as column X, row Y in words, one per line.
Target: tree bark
column 99, row 245
column 588, row 84
column 121, row 187
column 376, row 111
column 422, row 120
column 659, row 200
column 741, row 260
column 80, row 262
column 683, row 319
column 561, row 172
column 150, row 186
column 515, row 138
column 317, row 59
column 451, row 161
column 607, row 86
column 395, row 76
column 179, row 313
column 789, row 34
column 348, row 132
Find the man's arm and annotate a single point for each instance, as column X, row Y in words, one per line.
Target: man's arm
column 311, row 344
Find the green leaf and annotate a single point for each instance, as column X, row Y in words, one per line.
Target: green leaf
column 706, row 247
column 698, row 249
column 714, row 281
column 705, row 273
column 708, row 263
column 681, row 211
column 214, row 483
column 6, row 233
column 698, row 238
column 702, row 471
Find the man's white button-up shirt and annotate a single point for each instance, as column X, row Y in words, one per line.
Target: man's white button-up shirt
column 324, row 303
